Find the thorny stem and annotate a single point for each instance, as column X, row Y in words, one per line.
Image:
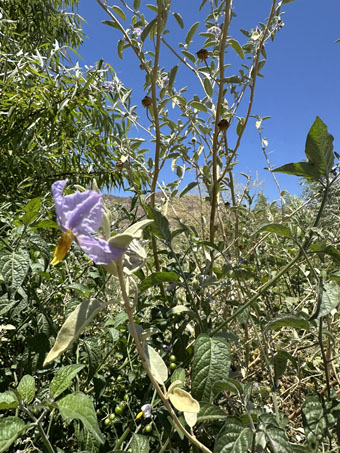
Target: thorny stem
column 215, row 177
column 129, row 310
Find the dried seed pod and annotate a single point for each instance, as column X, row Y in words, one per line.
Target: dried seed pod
column 146, row 101
column 202, row 54
column 223, row 125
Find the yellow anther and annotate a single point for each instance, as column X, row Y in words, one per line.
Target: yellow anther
column 63, row 247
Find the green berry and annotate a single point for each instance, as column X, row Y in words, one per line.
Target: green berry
column 148, row 428
column 119, row 410
column 107, row 421
column 172, row 358
column 112, row 416
column 172, row 366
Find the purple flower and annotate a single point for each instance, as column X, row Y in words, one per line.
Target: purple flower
column 137, row 32
column 215, row 30
column 165, row 80
column 79, row 216
column 110, row 86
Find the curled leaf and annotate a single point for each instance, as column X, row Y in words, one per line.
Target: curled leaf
column 183, row 401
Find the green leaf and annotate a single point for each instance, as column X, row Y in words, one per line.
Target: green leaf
column 280, row 364
column 330, row 298
column 188, row 188
column 179, row 19
column 79, row 406
column 73, row 326
column 140, row 444
column 8, row 400
column 198, row 106
column 14, row 267
column 314, row 418
column 233, row 437
column 26, row 388
column 62, row 380
column 304, row 169
column 275, row 435
column 277, row 228
column 119, row 12
column 211, row 363
column 210, row 413
column 156, row 278
column 191, row 33
column 157, row 366
column 236, row 46
column 136, row 4
column 319, row 147
column 120, row 47
column 31, row 211
column 161, row 225
column 189, row 55
column 228, row 385
column 10, row 429
column 289, row 320
column 208, row 87
column 148, row 29
column 172, row 76
column 178, row 375
column 111, row 23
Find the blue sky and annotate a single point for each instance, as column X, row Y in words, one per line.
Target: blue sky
column 301, row 76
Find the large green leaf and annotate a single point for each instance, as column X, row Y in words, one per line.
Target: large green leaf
column 156, row 278
column 79, row 406
column 277, row 228
column 319, row 147
column 10, row 429
column 157, row 366
column 73, row 326
column 14, row 267
column 211, row 363
column 161, row 225
column 330, row 298
column 209, row 412
column 62, row 380
column 140, row 444
column 8, row 400
column 26, row 388
column 275, row 436
column 234, row 437
column 304, row 169
column 295, row 321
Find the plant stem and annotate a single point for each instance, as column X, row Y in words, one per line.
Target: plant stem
column 215, row 145
column 165, row 401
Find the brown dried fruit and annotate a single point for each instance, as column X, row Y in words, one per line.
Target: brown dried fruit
column 146, row 101
column 223, row 125
column 202, row 54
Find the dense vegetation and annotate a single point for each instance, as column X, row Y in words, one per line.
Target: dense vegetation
column 194, row 321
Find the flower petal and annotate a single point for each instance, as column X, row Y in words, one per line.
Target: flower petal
column 99, row 250
column 82, row 212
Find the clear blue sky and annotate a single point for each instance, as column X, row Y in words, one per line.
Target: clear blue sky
column 301, row 76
